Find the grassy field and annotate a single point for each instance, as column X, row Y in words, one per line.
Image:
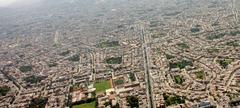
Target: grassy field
column 102, row 86
column 173, row 99
column 114, row 60
column 109, row 44
column 178, row 79
column 119, row 82
column 25, row 69
column 224, row 62
column 181, row 64
column 86, row 105
column 200, row 75
column 183, row 45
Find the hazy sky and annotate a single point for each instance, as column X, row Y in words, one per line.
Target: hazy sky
column 4, row 3
column 8, row 3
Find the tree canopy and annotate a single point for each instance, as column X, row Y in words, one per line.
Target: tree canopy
column 133, row 101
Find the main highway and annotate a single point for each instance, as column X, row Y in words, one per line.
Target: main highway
column 146, row 68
